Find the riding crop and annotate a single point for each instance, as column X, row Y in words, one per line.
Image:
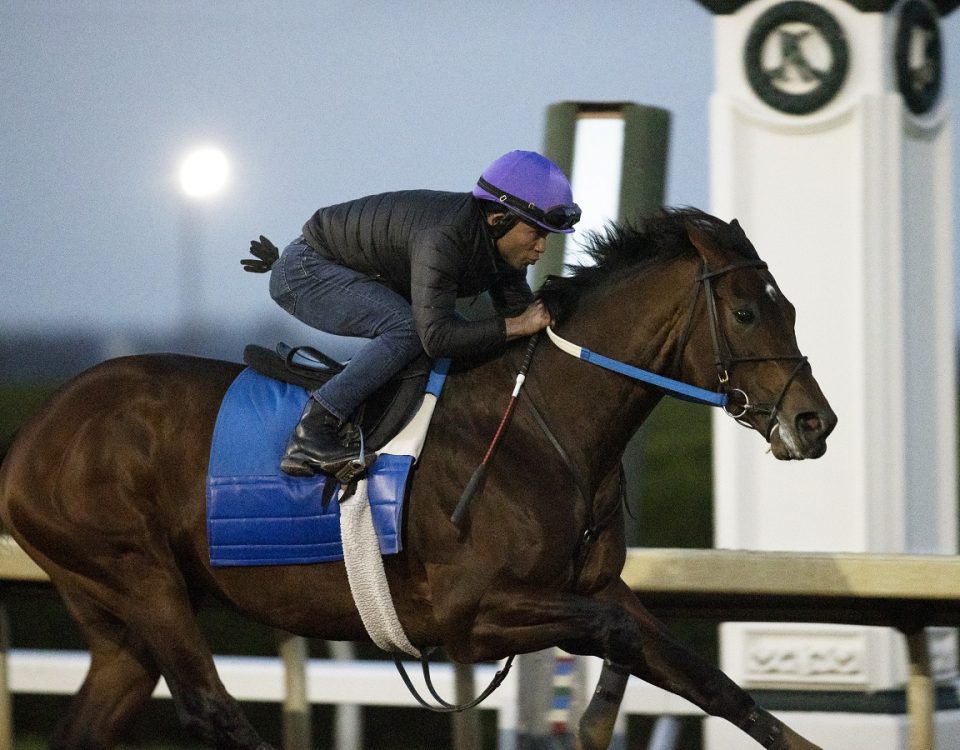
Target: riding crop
column 480, row 473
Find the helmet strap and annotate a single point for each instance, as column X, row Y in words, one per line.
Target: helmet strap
column 501, row 224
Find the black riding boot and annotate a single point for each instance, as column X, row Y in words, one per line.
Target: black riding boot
column 315, row 442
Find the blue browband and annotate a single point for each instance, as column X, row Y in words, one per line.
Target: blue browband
column 673, row 387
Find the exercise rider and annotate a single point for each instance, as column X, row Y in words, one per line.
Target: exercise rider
column 390, row 267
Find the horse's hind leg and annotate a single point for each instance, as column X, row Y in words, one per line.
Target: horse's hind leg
column 120, row 681
column 162, row 615
column 151, row 627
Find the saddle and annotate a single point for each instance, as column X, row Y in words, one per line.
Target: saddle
column 256, row 514
column 379, row 418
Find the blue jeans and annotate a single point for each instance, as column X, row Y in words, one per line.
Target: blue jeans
column 344, row 302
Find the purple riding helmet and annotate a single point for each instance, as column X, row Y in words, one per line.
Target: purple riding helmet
column 532, row 187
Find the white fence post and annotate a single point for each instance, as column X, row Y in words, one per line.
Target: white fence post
column 296, row 706
column 6, row 711
column 348, row 718
column 465, row 724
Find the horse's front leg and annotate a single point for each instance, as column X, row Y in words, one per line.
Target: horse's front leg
column 596, row 725
column 668, row 664
column 617, row 628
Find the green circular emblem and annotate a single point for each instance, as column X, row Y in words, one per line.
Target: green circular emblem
column 796, row 57
column 918, row 56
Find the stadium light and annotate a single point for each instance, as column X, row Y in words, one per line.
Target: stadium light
column 204, row 172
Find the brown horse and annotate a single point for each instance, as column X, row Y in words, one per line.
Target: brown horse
column 104, row 488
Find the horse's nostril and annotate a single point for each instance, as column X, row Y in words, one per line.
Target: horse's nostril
column 809, row 422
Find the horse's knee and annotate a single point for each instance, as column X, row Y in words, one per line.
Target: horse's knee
column 621, row 635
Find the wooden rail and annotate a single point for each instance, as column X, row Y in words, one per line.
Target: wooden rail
column 906, row 592
column 15, row 565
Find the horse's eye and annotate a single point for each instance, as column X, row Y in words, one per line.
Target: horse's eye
column 744, row 315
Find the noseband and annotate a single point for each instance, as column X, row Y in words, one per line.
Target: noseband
column 723, row 357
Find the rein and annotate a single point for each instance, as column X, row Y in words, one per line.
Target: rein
column 444, row 707
column 594, row 527
column 723, row 357
column 674, row 387
column 459, row 519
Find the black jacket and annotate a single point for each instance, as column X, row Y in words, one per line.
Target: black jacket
column 430, row 247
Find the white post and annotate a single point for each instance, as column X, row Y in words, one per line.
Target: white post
column 615, row 155
column 348, row 718
column 831, row 145
column 6, row 706
column 296, row 705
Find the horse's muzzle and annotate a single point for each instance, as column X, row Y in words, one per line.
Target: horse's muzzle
column 802, row 436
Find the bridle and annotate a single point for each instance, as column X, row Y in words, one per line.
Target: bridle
column 723, row 357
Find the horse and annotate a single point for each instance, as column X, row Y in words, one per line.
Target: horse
column 104, row 488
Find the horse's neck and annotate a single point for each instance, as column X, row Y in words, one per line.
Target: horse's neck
column 593, row 411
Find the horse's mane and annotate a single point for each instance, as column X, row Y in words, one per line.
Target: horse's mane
column 624, row 245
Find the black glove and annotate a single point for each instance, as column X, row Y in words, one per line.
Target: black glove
column 267, row 255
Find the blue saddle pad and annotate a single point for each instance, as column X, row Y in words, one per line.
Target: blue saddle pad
column 256, row 514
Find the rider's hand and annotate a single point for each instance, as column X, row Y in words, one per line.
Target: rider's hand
column 265, row 251
column 534, row 318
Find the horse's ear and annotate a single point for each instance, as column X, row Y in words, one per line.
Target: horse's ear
column 704, row 242
column 741, row 240
column 738, row 230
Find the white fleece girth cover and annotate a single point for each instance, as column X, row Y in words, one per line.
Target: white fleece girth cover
column 368, row 580
column 361, row 550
